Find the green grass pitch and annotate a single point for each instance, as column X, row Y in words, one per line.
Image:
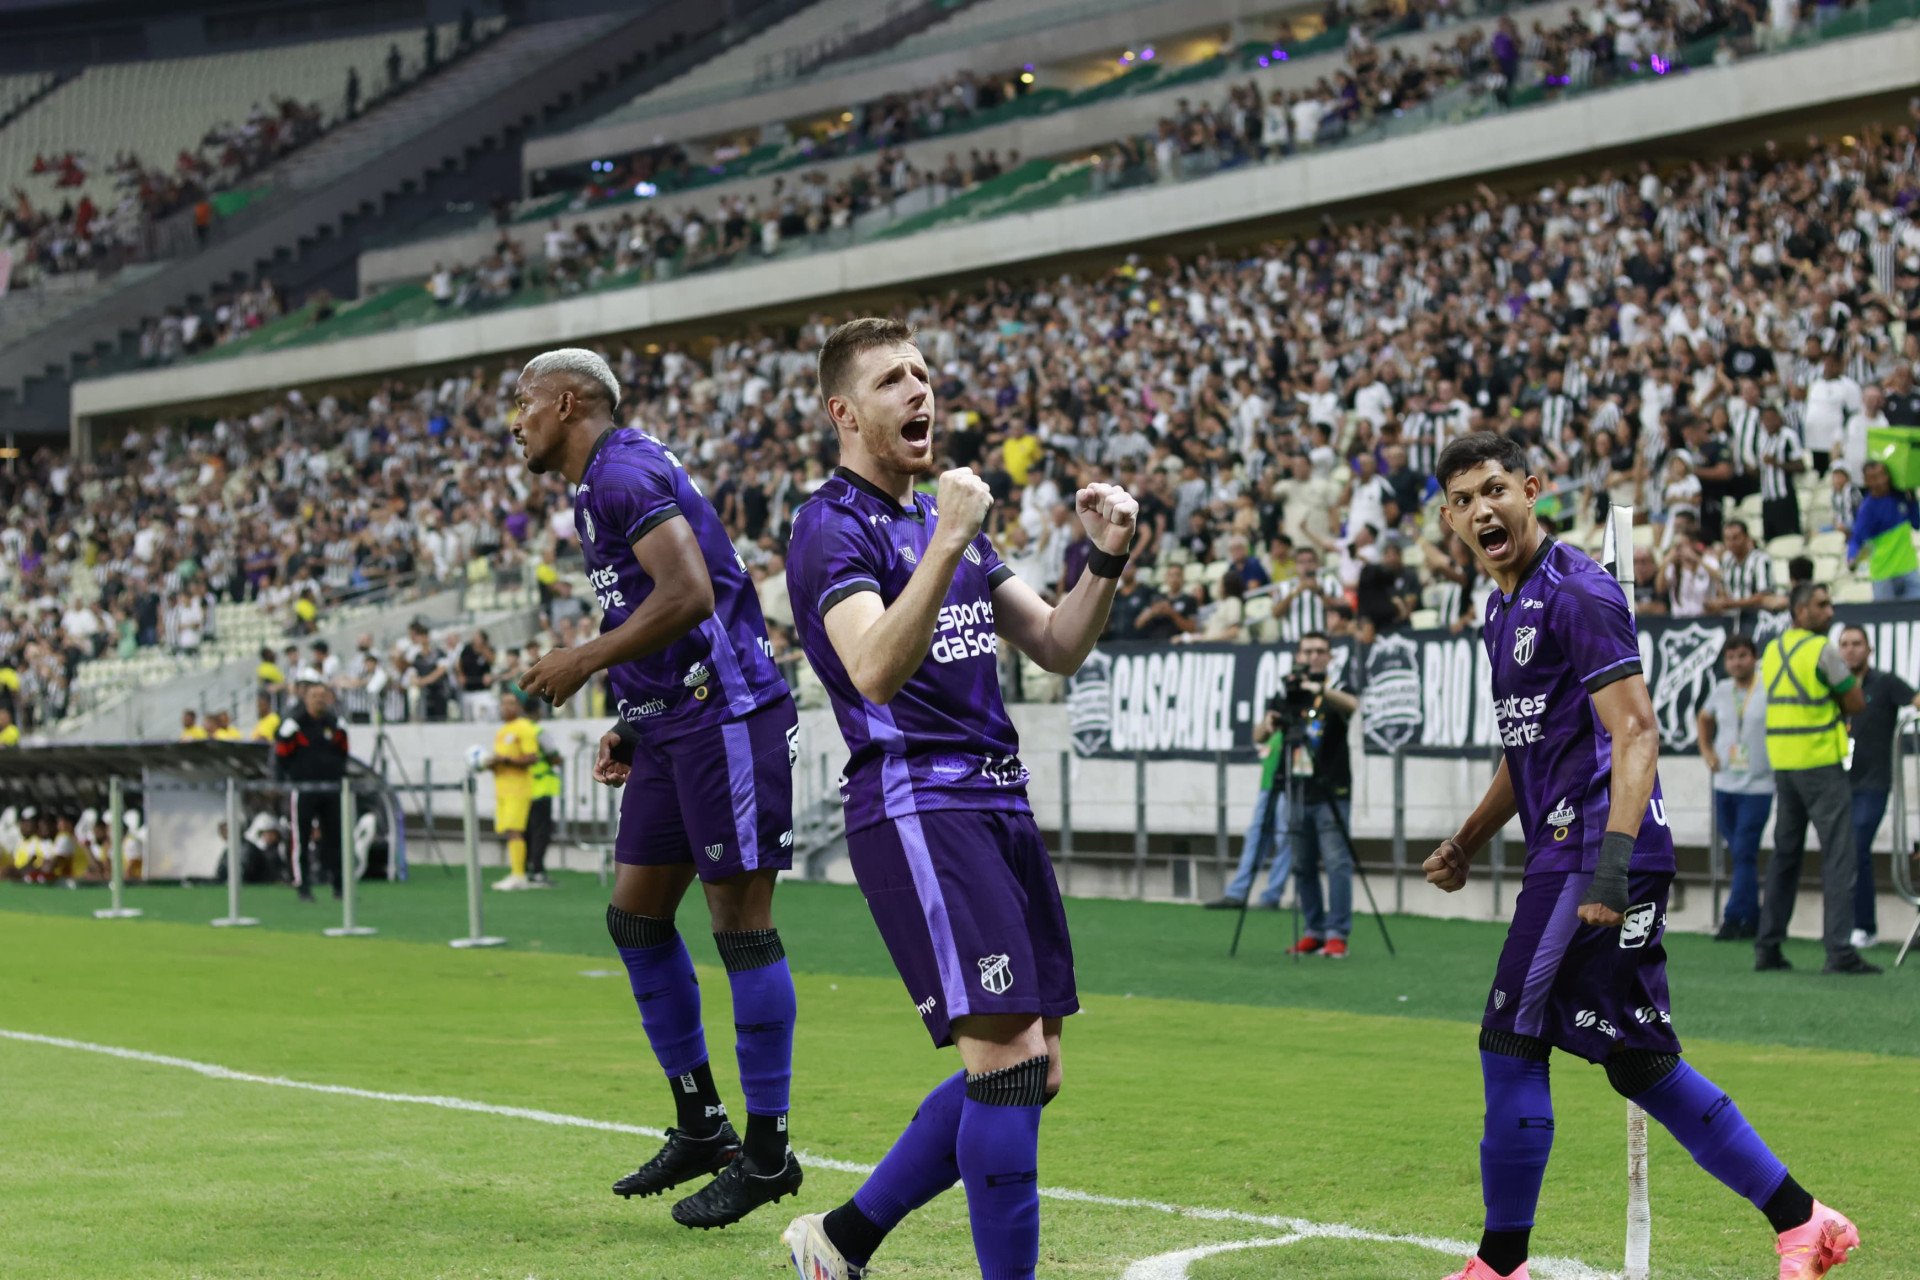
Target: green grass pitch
column 1341, row 1094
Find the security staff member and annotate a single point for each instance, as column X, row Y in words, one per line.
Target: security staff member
column 545, row 779
column 312, row 747
column 1809, row 689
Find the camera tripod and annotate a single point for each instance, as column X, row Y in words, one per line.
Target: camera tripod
column 1292, row 737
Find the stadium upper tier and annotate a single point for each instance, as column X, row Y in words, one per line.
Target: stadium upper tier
column 156, row 109
column 1082, row 36
column 767, row 56
column 1129, row 97
column 595, row 286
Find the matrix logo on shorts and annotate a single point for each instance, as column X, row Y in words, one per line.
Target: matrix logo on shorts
column 1588, row 1019
column 1637, row 926
column 996, row 975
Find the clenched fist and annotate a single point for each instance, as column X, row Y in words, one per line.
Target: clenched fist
column 609, row 766
column 1447, row 867
column 1109, row 514
column 964, row 500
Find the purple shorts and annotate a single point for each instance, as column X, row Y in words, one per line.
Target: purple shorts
column 1587, row 990
column 720, row 797
column 968, row 907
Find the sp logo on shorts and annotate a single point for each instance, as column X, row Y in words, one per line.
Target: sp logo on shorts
column 715, row 850
column 1636, row 927
column 1523, row 638
column 1499, row 998
column 996, row 975
column 1587, row 1019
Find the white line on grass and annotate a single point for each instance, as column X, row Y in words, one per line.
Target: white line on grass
column 1165, row 1267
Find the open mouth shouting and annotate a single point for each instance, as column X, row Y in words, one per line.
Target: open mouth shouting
column 917, row 433
column 1496, row 541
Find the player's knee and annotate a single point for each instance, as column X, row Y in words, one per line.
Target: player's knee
column 637, row 932
column 1632, row 1072
column 1511, row 1044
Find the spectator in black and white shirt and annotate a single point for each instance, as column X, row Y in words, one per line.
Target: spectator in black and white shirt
column 1747, row 583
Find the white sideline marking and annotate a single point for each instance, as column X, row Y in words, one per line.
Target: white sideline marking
column 1171, row 1266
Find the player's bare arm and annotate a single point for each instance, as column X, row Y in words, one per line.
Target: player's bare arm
column 1059, row 637
column 682, row 598
column 881, row 646
column 1447, row 866
column 1706, row 727
column 1626, row 712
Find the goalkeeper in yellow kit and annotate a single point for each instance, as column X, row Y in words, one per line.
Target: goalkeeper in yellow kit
column 516, row 749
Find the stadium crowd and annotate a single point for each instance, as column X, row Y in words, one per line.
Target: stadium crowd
column 50, row 234
column 44, row 232
column 1671, row 340
column 1495, row 60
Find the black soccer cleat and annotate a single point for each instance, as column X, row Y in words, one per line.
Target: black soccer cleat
column 737, row 1192
column 682, row 1159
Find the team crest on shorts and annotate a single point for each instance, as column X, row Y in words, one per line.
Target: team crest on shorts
column 996, row 974
column 1499, row 998
column 1636, row 927
column 1523, row 638
column 715, row 850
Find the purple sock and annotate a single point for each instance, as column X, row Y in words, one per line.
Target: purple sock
column 920, row 1165
column 664, row 986
column 1517, row 1139
column 763, row 1013
column 1704, row 1121
column 998, row 1148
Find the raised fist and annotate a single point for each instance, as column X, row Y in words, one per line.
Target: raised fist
column 964, row 500
column 1109, row 514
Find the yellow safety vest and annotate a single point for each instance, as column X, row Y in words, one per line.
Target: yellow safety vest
column 1804, row 728
column 546, row 782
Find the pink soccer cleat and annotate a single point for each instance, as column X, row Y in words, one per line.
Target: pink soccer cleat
column 1478, row 1270
column 1818, row 1246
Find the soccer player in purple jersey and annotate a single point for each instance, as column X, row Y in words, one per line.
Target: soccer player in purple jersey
column 705, row 747
column 901, row 605
column 1583, row 969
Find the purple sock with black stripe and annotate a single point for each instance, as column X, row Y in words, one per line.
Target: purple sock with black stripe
column 1703, row 1119
column 921, row 1164
column 998, row 1149
column 763, row 1014
column 660, row 972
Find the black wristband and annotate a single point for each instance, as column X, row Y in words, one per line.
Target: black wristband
column 628, row 734
column 1104, row 564
column 1609, row 887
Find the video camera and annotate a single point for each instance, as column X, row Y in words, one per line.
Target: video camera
column 1294, row 699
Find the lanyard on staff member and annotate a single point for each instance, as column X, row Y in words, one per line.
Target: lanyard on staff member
column 1737, row 759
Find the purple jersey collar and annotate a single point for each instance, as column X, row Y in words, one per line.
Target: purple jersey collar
column 912, row 510
column 1533, row 567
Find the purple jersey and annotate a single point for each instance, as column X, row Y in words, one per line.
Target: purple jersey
column 722, row 669
column 944, row 741
column 1562, row 636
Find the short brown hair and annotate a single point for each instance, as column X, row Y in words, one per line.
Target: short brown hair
column 848, row 341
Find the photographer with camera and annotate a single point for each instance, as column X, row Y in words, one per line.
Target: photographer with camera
column 1315, row 712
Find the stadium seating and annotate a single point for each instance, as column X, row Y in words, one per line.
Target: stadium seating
column 156, row 109
column 742, row 65
column 17, row 89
